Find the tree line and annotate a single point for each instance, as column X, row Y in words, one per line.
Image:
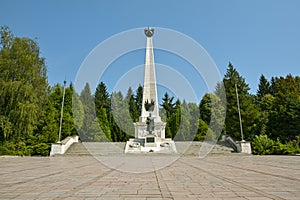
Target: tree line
column 30, row 108
column 270, row 118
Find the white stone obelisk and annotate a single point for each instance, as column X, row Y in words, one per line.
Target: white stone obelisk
column 150, row 130
column 150, row 90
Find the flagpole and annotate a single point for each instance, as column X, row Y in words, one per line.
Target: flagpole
column 62, row 111
column 240, row 118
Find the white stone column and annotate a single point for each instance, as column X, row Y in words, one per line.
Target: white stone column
column 150, row 91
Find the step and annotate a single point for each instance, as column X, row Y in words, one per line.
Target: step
column 95, row 148
column 110, row 148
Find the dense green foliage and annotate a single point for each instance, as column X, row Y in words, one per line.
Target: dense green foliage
column 23, row 91
column 249, row 110
column 30, row 109
column 263, row 145
column 271, row 118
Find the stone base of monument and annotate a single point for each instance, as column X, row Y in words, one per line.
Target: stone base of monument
column 245, row 147
column 153, row 141
column 150, row 144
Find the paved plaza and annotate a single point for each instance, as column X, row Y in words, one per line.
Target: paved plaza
column 189, row 177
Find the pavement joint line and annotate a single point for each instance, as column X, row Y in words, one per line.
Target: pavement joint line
column 163, row 188
column 85, row 184
column 268, row 165
column 41, row 177
column 23, row 169
column 236, row 183
column 42, row 167
column 256, row 171
column 184, row 179
column 32, row 179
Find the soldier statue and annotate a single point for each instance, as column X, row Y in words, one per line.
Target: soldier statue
column 150, row 123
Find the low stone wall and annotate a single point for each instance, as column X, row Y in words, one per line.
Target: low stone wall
column 63, row 146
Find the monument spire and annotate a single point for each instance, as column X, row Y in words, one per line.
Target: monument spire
column 150, row 91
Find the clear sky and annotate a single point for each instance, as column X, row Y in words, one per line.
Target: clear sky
column 257, row 37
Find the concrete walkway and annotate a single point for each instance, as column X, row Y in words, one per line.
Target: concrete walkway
column 189, row 177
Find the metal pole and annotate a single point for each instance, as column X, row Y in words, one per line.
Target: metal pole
column 238, row 104
column 62, row 111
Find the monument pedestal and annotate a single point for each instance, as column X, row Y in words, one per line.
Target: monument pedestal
column 141, row 129
column 145, row 141
column 156, row 145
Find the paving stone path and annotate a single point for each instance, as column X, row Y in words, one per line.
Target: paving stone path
column 189, row 177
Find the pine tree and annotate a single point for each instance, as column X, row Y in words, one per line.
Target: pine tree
column 68, row 125
column 175, row 120
column 202, row 131
column 54, row 110
column 122, row 125
column 132, row 106
column 102, row 99
column 139, row 100
column 85, row 133
column 284, row 116
column 249, row 111
column 78, row 111
column 102, row 106
column 263, row 87
column 212, row 112
column 188, row 124
column 205, row 108
column 194, row 116
column 168, row 104
column 272, row 85
column 48, row 126
column 173, row 115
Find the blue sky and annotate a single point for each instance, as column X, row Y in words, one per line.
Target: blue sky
column 258, row 37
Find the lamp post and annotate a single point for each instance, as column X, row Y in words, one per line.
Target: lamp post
column 62, row 111
column 238, row 104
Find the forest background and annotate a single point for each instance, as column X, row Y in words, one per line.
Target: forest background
column 30, row 108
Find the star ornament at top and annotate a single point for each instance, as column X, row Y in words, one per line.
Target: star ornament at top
column 149, row 32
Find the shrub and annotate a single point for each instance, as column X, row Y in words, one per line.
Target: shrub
column 4, row 151
column 263, row 145
column 41, row 149
column 291, row 147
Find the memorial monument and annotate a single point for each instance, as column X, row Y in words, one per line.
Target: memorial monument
column 150, row 130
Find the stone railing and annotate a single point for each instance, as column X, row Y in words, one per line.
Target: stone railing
column 233, row 144
column 63, row 146
column 240, row 146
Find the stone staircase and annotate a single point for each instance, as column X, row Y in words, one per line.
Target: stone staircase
column 193, row 148
column 77, row 149
column 114, row 148
column 95, row 148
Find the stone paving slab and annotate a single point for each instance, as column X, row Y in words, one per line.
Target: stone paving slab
column 189, row 177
